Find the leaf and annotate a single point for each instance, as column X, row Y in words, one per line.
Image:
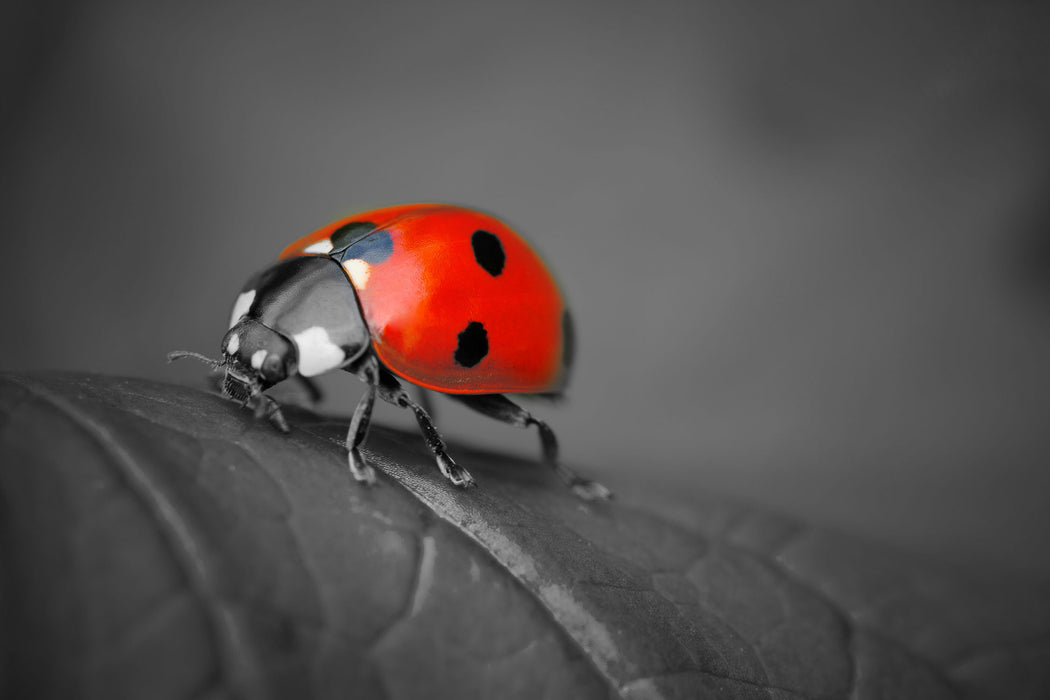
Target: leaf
column 159, row 542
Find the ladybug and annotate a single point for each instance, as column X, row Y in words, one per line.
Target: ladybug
column 443, row 297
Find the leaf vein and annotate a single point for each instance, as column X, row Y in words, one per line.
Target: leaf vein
column 177, row 534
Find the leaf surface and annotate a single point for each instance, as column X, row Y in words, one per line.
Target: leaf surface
column 157, row 541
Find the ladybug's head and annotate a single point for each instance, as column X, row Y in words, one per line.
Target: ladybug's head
column 255, row 358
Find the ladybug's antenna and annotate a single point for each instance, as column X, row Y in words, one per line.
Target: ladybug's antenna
column 179, row 354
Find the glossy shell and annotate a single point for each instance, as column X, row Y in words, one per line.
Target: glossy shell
column 455, row 300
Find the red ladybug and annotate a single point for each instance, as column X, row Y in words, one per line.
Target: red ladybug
column 444, row 297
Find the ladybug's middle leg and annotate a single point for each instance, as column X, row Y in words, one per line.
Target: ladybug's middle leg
column 424, row 401
column 503, row 409
column 361, row 470
column 391, row 390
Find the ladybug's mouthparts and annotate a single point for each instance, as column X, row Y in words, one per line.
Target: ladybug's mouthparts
column 248, row 391
column 236, row 388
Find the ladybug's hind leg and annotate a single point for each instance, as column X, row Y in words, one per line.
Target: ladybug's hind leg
column 503, row 409
column 390, row 390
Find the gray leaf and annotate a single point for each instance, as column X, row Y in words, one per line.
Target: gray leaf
column 158, row 542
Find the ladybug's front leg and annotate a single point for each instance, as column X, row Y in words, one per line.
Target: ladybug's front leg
column 391, row 390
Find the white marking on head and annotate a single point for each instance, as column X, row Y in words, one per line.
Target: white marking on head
column 241, row 306
column 358, row 270
column 232, row 344
column 258, row 357
column 323, row 247
column 317, row 353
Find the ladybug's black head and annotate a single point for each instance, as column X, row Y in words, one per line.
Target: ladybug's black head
column 255, row 358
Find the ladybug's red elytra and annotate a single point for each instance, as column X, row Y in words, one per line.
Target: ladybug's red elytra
column 444, row 297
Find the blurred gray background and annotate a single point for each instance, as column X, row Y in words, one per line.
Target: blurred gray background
column 807, row 244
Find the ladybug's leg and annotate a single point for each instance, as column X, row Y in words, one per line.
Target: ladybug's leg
column 264, row 405
column 423, row 397
column 359, row 468
column 503, row 409
column 391, row 390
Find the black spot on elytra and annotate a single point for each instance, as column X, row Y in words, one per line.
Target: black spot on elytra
column 473, row 345
column 488, row 251
column 346, row 234
column 373, row 248
column 568, row 339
